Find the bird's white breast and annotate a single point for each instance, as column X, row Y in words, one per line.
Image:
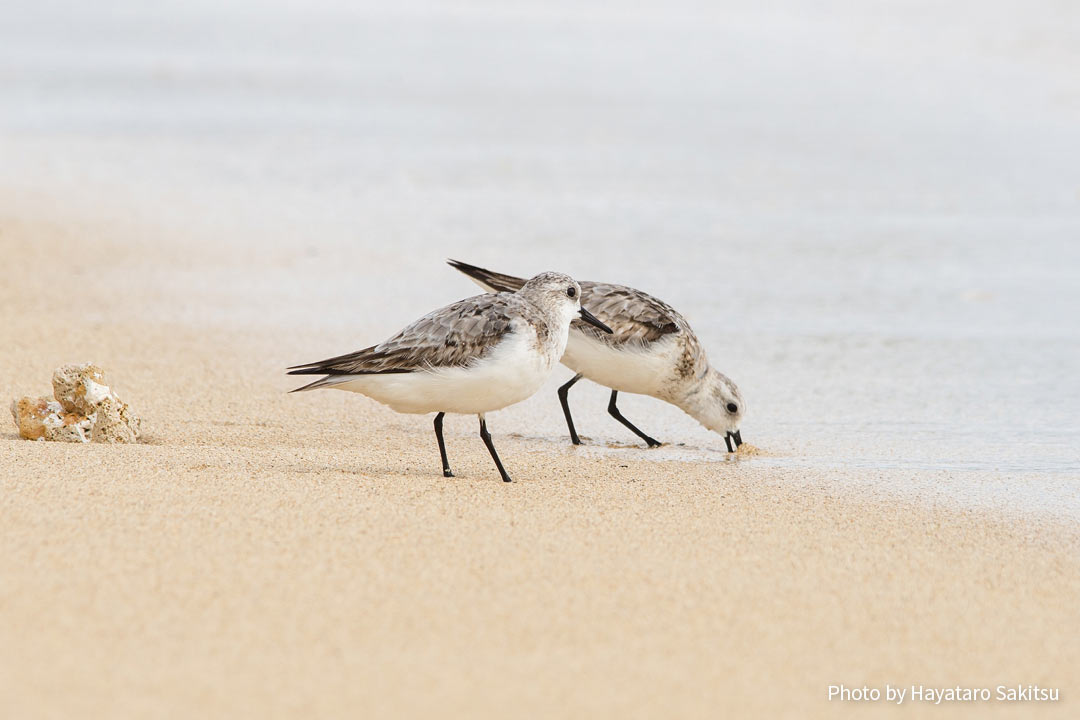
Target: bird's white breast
column 626, row 368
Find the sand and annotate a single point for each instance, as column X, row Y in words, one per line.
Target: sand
column 275, row 555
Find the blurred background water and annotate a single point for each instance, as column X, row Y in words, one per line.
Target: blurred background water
column 869, row 210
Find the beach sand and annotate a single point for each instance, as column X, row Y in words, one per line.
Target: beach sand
column 274, row 555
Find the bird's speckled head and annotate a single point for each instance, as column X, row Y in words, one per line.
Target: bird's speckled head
column 720, row 406
column 554, row 292
column 560, row 295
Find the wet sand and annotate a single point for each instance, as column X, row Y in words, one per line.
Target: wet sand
column 266, row 554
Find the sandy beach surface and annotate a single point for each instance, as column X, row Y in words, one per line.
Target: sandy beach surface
column 867, row 211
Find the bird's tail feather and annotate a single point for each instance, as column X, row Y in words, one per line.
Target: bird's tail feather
column 490, row 281
column 328, row 381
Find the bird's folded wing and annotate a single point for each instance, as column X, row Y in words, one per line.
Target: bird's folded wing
column 633, row 316
column 453, row 336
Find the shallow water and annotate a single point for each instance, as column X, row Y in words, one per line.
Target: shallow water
column 869, row 213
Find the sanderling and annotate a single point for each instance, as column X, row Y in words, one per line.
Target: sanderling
column 475, row 356
column 652, row 351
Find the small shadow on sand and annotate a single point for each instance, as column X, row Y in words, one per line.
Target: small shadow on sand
column 232, row 423
column 616, row 445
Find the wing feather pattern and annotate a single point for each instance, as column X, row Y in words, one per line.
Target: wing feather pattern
column 453, row 336
column 634, row 316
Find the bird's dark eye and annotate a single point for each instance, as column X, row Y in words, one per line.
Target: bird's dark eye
column 732, row 408
column 571, row 292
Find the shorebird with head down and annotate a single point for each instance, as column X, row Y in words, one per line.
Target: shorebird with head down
column 475, row 356
column 651, row 351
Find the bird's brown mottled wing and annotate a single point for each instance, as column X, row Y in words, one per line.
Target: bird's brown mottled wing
column 452, row 336
column 634, row 316
column 637, row 318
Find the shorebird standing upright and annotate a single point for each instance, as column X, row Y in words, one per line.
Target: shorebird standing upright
column 474, row 356
column 651, row 351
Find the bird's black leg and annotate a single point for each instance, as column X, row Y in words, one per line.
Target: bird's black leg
column 442, row 446
column 566, row 408
column 491, row 449
column 614, row 412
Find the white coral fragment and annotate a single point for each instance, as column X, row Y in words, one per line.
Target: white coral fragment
column 85, row 410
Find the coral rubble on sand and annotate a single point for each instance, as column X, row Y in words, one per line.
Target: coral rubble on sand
column 85, row 410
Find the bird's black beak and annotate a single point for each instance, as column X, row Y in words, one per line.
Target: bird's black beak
column 736, row 436
column 592, row 320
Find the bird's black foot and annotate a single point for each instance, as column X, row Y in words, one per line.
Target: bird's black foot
column 566, row 408
column 613, row 410
column 486, row 437
column 442, row 446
